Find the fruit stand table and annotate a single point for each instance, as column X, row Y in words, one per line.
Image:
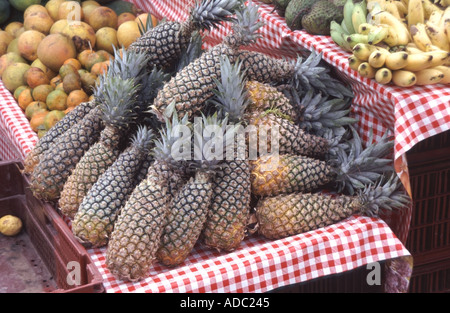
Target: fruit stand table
column 260, row 265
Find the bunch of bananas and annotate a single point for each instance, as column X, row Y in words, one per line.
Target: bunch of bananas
column 404, row 42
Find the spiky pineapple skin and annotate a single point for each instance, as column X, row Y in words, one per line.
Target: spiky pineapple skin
column 291, row 139
column 57, row 163
column 42, row 145
column 137, row 230
column 273, row 175
column 90, row 167
column 230, row 206
column 185, row 219
column 287, row 215
column 95, row 218
column 193, row 85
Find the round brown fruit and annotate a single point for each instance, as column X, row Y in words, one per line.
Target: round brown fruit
column 88, row 81
column 71, row 11
column 88, row 7
column 57, row 100
column 19, row 90
column 55, row 49
column 37, row 63
column 5, row 39
column 41, row 92
column 25, row 98
column 33, row 9
column 37, row 120
column 55, row 81
column 82, row 35
column 13, row 46
column 102, row 17
column 52, row 7
column 74, row 62
column 127, row 33
column 40, row 21
column 71, row 82
column 125, row 17
column 28, row 44
column 13, row 76
column 58, row 26
column 107, row 39
column 34, row 107
column 53, row 117
column 100, row 68
column 76, row 97
column 66, row 69
column 35, row 77
column 13, row 28
column 8, row 59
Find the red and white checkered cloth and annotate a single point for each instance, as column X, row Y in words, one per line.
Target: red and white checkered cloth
column 261, row 265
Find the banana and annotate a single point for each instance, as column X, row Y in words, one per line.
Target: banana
column 404, row 78
column 377, row 34
column 370, row 4
column 435, row 17
column 358, row 16
column 437, row 36
column 354, row 39
column 396, row 60
column 446, row 71
column 429, row 8
column 415, row 13
column 447, row 29
column 337, row 33
column 365, row 28
column 348, row 10
column 378, row 58
column 402, row 8
column 400, row 29
column 412, row 48
column 420, row 37
column 344, row 27
column 365, row 70
column 445, row 22
column 428, row 76
column 392, row 8
column 354, row 62
column 383, row 76
column 363, row 50
column 440, row 57
column 418, row 61
column 391, row 38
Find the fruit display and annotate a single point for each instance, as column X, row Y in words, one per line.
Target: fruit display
column 404, row 43
column 51, row 60
column 162, row 158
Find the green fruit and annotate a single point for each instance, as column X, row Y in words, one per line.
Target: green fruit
column 295, row 11
column 5, row 10
column 120, row 6
column 317, row 20
column 21, row 5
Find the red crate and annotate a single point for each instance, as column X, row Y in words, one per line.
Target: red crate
column 48, row 234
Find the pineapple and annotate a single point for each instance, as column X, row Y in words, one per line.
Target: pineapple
column 119, row 98
column 50, row 136
column 274, row 174
column 94, row 220
column 136, row 235
column 165, row 42
column 188, row 90
column 189, row 209
column 227, row 216
column 303, row 74
column 287, row 215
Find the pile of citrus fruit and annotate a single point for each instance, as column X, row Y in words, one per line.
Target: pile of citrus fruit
column 51, row 59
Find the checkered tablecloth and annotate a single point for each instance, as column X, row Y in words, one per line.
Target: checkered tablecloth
column 260, row 265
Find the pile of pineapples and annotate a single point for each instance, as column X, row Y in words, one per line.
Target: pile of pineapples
column 122, row 168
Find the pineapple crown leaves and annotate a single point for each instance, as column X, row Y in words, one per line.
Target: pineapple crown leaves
column 169, row 145
column 246, row 25
column 386, row 194
column 310, row 74
column 212, row 136
column 231, row 97
column 128, row 63
column 118, row 101
column 193, row 51
column 143, row 138
column 152, row 82
column 207, row 14
column 357, row 166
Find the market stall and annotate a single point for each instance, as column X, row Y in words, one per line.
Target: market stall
column 259, row 265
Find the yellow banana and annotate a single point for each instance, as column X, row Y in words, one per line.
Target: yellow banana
column 371, row 3
column 348, row 10
column 429, row 8
column 446, row 71
column 404, row 78
column 354, row 62
column 378, row 58
column 397, row 60
column 445, row 22
column 447, row 29
column 428, row 76
column 412, row 48
column 435, row 17
column 402, row 8
column 365, row 70
column 383, row 76
column 437, row 36
column 377, row 34
column 415, row 13
column 402, row 32
column 365, row 28
column 440, row 57
column 391, row 7
column 420, row 37
column 391, row 39
column 358, row 16
column 363, row 50
column 418, row 61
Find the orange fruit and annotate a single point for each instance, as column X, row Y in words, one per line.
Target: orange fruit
column 52, row 117
column 100, row 68
column 37, row 120
column 57, row 100
column 124, row 17
column 55, row 81
column 34, row 107
column 25, row 98
column 41, row 92
column 71, row 82
column 35, row 77
column 66, row 69
column 74, row 62
column 76, row 97
column 19, row 90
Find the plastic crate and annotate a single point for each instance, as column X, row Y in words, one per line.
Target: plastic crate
column 429, row 235
column 70, row 266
